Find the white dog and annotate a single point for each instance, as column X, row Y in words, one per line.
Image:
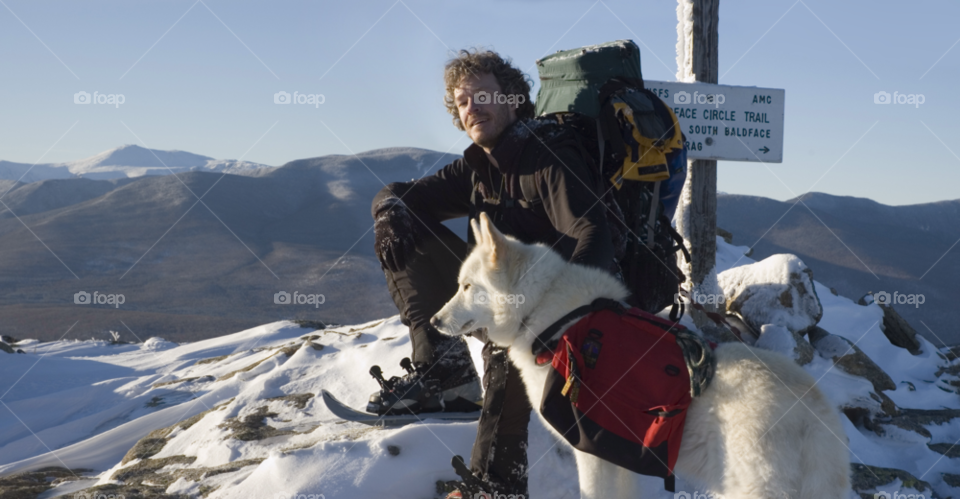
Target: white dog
column 762, row 430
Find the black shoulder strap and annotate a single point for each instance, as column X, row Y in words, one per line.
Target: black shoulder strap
column 541, row 343
column 555, row 133
column 528, row 189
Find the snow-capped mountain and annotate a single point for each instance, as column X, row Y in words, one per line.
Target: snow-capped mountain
column 127, row 161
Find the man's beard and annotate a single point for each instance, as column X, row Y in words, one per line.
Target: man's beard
column 490, row 140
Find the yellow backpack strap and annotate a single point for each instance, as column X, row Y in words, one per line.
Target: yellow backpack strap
column 646, row 158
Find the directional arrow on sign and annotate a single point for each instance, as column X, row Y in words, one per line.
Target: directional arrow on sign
column 765, row 149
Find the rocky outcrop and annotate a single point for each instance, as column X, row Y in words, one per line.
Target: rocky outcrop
column 868, row 480
column 157, row 439
column 916, row 420
column 726, row 235
column 778, row 290
column 30, row 484
column 898, row 331
column 849, row 358
column 253, row 426
column 947, row 449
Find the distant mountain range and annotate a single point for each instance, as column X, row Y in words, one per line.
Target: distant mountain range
column 190, row 270
column 857, row 245
column 129, row 161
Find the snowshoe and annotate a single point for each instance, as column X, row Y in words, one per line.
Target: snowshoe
column 420, row 391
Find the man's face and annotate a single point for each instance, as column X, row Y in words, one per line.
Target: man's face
column 483, row 118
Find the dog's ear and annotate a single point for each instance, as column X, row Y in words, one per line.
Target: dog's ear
column 493, row 238
column 477, row 233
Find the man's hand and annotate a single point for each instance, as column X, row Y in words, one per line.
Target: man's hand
column 396, row 234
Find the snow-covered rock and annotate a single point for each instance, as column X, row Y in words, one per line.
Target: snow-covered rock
column 157, row 344
column 782, row 340
column 778, row 290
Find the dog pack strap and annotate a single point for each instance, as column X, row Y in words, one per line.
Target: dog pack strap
column 676, row 310
column 540, row 344
column 700, row 359
column 715, row 317
column 670, row 483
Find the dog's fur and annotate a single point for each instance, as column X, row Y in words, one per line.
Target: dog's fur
column 761, row 430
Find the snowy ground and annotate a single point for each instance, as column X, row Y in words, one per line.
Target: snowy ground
column 86, row 405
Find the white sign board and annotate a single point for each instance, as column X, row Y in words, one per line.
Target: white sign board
column 725, row 122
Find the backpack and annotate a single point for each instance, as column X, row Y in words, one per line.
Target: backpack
column 636, row 138
column 620, row 383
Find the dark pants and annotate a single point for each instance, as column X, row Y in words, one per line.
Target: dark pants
column 427, row 282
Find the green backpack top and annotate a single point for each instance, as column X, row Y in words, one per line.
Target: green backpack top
column 570, row 80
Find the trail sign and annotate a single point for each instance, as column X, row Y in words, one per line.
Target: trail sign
column 726, row 122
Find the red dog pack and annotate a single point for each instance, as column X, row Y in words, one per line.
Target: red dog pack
column 619, row 386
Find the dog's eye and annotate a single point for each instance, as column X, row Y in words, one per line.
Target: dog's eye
column 466, row 286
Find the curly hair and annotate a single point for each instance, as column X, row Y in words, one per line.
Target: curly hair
column 478, row 61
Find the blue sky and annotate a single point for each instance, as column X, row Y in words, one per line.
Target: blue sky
column 200, row 76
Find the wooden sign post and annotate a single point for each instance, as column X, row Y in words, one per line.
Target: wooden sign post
column 697, row 61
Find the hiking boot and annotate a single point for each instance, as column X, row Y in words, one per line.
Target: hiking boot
column 421, row 390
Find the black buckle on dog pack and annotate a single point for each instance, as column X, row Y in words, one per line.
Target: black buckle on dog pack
column 543, row 340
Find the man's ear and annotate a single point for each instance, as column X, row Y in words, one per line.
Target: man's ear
column 493, row 238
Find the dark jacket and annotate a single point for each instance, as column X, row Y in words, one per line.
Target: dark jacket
column 544, row 173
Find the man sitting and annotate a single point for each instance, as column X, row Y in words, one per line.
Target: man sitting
column 537, row 183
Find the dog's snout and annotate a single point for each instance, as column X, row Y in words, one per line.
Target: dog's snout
column 435, row 321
